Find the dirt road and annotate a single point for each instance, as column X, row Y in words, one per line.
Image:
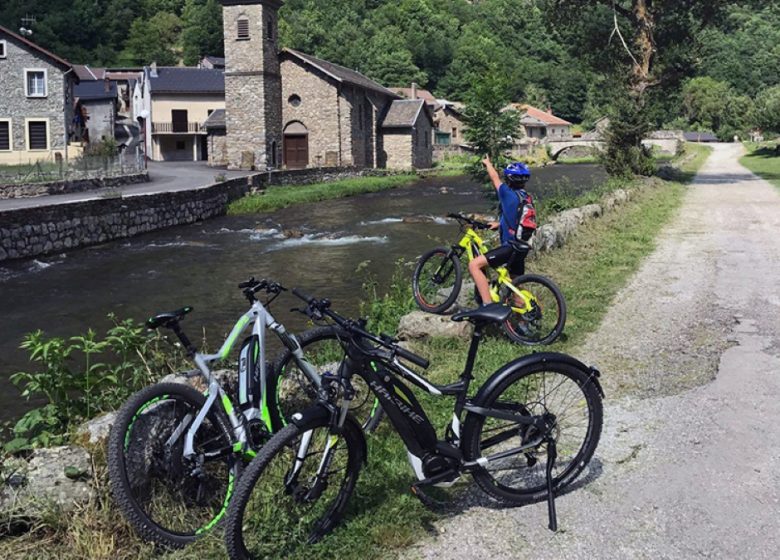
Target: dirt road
column 689, row 462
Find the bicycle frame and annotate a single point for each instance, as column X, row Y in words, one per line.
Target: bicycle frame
column 260, row 319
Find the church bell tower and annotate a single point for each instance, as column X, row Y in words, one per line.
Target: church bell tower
column 253, row 83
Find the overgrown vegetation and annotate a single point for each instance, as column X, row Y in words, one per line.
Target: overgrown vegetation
column 79, row 377
column 281, row 197
column 764, row 160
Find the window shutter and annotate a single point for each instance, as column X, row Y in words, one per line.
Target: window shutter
column 5, row 136
column 37, row 133
column 243, row 28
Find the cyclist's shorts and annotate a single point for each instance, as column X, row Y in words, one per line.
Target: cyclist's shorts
column 507, row 256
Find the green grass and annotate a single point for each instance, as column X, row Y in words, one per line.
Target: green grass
column 276, row 197
column 383, row 517
column 764, row 160
column 563, row 160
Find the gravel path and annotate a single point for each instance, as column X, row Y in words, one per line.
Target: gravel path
column 689, row 462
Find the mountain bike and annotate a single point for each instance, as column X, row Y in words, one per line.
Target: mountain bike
column 174, row 453
column 528, row 432
column 538, row 308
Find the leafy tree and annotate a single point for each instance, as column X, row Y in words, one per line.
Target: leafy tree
column 391, row 63
column 767, row 115
column 489, row 127
column 153, row 41
column 202, row 32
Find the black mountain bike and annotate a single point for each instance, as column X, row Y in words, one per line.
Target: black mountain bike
column 528, row 432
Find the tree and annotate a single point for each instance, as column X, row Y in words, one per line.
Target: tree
column 767, row 115
column 153, row 41
column 389, row 62
column 201, row 30
column 490, row 128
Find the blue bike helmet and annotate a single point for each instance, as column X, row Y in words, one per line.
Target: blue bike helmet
column 517, row 175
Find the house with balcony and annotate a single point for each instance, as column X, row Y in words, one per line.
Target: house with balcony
column 36, row 102
column 171, row 105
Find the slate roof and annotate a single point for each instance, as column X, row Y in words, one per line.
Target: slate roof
column 216, row 61
column 421, row 94
column 403, row 113
column 187, row 80
column 700, row 137
column 92, row 90
column 340, row 73
column 40, row 50
column 84, row 72
column 216, row 120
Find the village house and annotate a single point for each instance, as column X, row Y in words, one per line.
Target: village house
column 448, row 124
column 171, row 106
column 542, row 125
column 36, row 102
column 96, row 110
column 290, row 109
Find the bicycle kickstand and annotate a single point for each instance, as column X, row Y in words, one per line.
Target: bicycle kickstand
column 552, row 455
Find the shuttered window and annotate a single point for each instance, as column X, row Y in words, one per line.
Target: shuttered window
column 2, row 49
column 37, row 134
column 5, row 136
column 243, row 29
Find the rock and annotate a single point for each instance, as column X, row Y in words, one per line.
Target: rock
column 292, row 233
column 418, row 324
column 95, row 432
column 58, row 475
column 226, row 377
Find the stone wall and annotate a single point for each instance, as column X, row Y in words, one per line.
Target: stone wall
column 30, row 232
column 422, row 157
column 64, row 187
column 397, row 149
column 17, row 107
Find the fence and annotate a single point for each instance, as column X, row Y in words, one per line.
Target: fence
column 83, row 167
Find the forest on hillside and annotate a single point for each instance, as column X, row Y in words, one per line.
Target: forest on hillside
column 724, row 63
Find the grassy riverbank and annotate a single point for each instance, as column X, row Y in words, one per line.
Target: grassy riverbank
column 384, row 517
column 763, row 160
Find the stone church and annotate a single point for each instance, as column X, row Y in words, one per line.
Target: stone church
column 287, row 109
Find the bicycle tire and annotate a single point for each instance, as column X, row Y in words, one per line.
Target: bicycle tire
column 530, row 467
column 447, row 261
column 283, row 405
column 275, row 499
column 130, row 473
column 543, row 327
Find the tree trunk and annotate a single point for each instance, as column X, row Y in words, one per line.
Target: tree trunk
column 645, row 45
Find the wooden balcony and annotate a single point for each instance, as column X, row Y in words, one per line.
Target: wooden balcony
column 177, row 128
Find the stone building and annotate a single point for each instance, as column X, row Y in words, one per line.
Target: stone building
column 290, row 109
column 407, row 130
column 36, row 101
column 96, row 110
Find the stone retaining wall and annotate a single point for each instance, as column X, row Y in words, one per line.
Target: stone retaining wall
column 65, row 187
column 31, row 232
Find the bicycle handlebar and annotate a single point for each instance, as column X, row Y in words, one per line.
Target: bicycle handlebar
column 316, row 308
column 252, row 286
column 476, row 224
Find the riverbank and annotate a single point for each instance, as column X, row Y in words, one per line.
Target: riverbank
column 383, row 516
column 764, row 161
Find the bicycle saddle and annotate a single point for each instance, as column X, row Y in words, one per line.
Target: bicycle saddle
column 167, row 319
column 493, row 313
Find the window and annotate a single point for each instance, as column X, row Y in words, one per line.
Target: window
column 35, row 83
column 3, row 49
column 294, row 100
column 37, row 135
column 454, row 133
column 243, row 29
column 180, row 120
column 5, row 136
column 270, row 28
column 273, row 154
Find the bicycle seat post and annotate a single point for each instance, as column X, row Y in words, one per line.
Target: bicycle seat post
column 185, row 342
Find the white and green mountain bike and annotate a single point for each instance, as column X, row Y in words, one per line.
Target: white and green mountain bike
column 174, row 453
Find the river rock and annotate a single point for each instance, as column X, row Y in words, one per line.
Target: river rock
column 293, row 233
column 417, row 325
column 57, row 475
column 227, row 378
column 95, row 432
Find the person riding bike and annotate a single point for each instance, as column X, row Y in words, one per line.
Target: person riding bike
column 517, row 224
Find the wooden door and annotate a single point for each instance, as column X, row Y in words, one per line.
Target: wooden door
column 296, row 151
column 179, row 118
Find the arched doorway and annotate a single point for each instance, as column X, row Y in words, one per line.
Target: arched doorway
column 296, row 146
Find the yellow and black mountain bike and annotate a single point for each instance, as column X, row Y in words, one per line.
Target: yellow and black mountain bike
column 538, row 308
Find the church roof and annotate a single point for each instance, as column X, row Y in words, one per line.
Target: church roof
column 403, row 113
column 340, row 73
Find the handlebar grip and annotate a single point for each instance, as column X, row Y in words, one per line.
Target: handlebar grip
column 414, row 358
column 305, row 297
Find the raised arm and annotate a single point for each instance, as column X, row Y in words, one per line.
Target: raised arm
column 492, row 173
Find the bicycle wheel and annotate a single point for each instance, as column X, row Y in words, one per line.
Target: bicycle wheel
column 169, row 501
column 544, row 323
column 437, row 280
column 277, row 509
column 544, row 386
column 293, row 392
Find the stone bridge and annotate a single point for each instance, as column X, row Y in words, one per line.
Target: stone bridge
column 557, row 147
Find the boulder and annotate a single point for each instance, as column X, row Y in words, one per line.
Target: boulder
column 95, row 432
column 226, row 377
column 417, row 325
column 55, row 476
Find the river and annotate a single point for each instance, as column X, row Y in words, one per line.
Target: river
column 200, row 264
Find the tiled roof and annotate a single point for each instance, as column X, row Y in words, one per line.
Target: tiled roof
column 403, row 113
column 340, row 73
column 544, row 116
column 51, row 56
column 421, row 94
column 215, row 120
column 94, row 89
column 187, row 80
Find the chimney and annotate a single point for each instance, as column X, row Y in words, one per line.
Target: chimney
column 106, row 84
column 153, row 72
column 549, row 109
column 414, row 90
